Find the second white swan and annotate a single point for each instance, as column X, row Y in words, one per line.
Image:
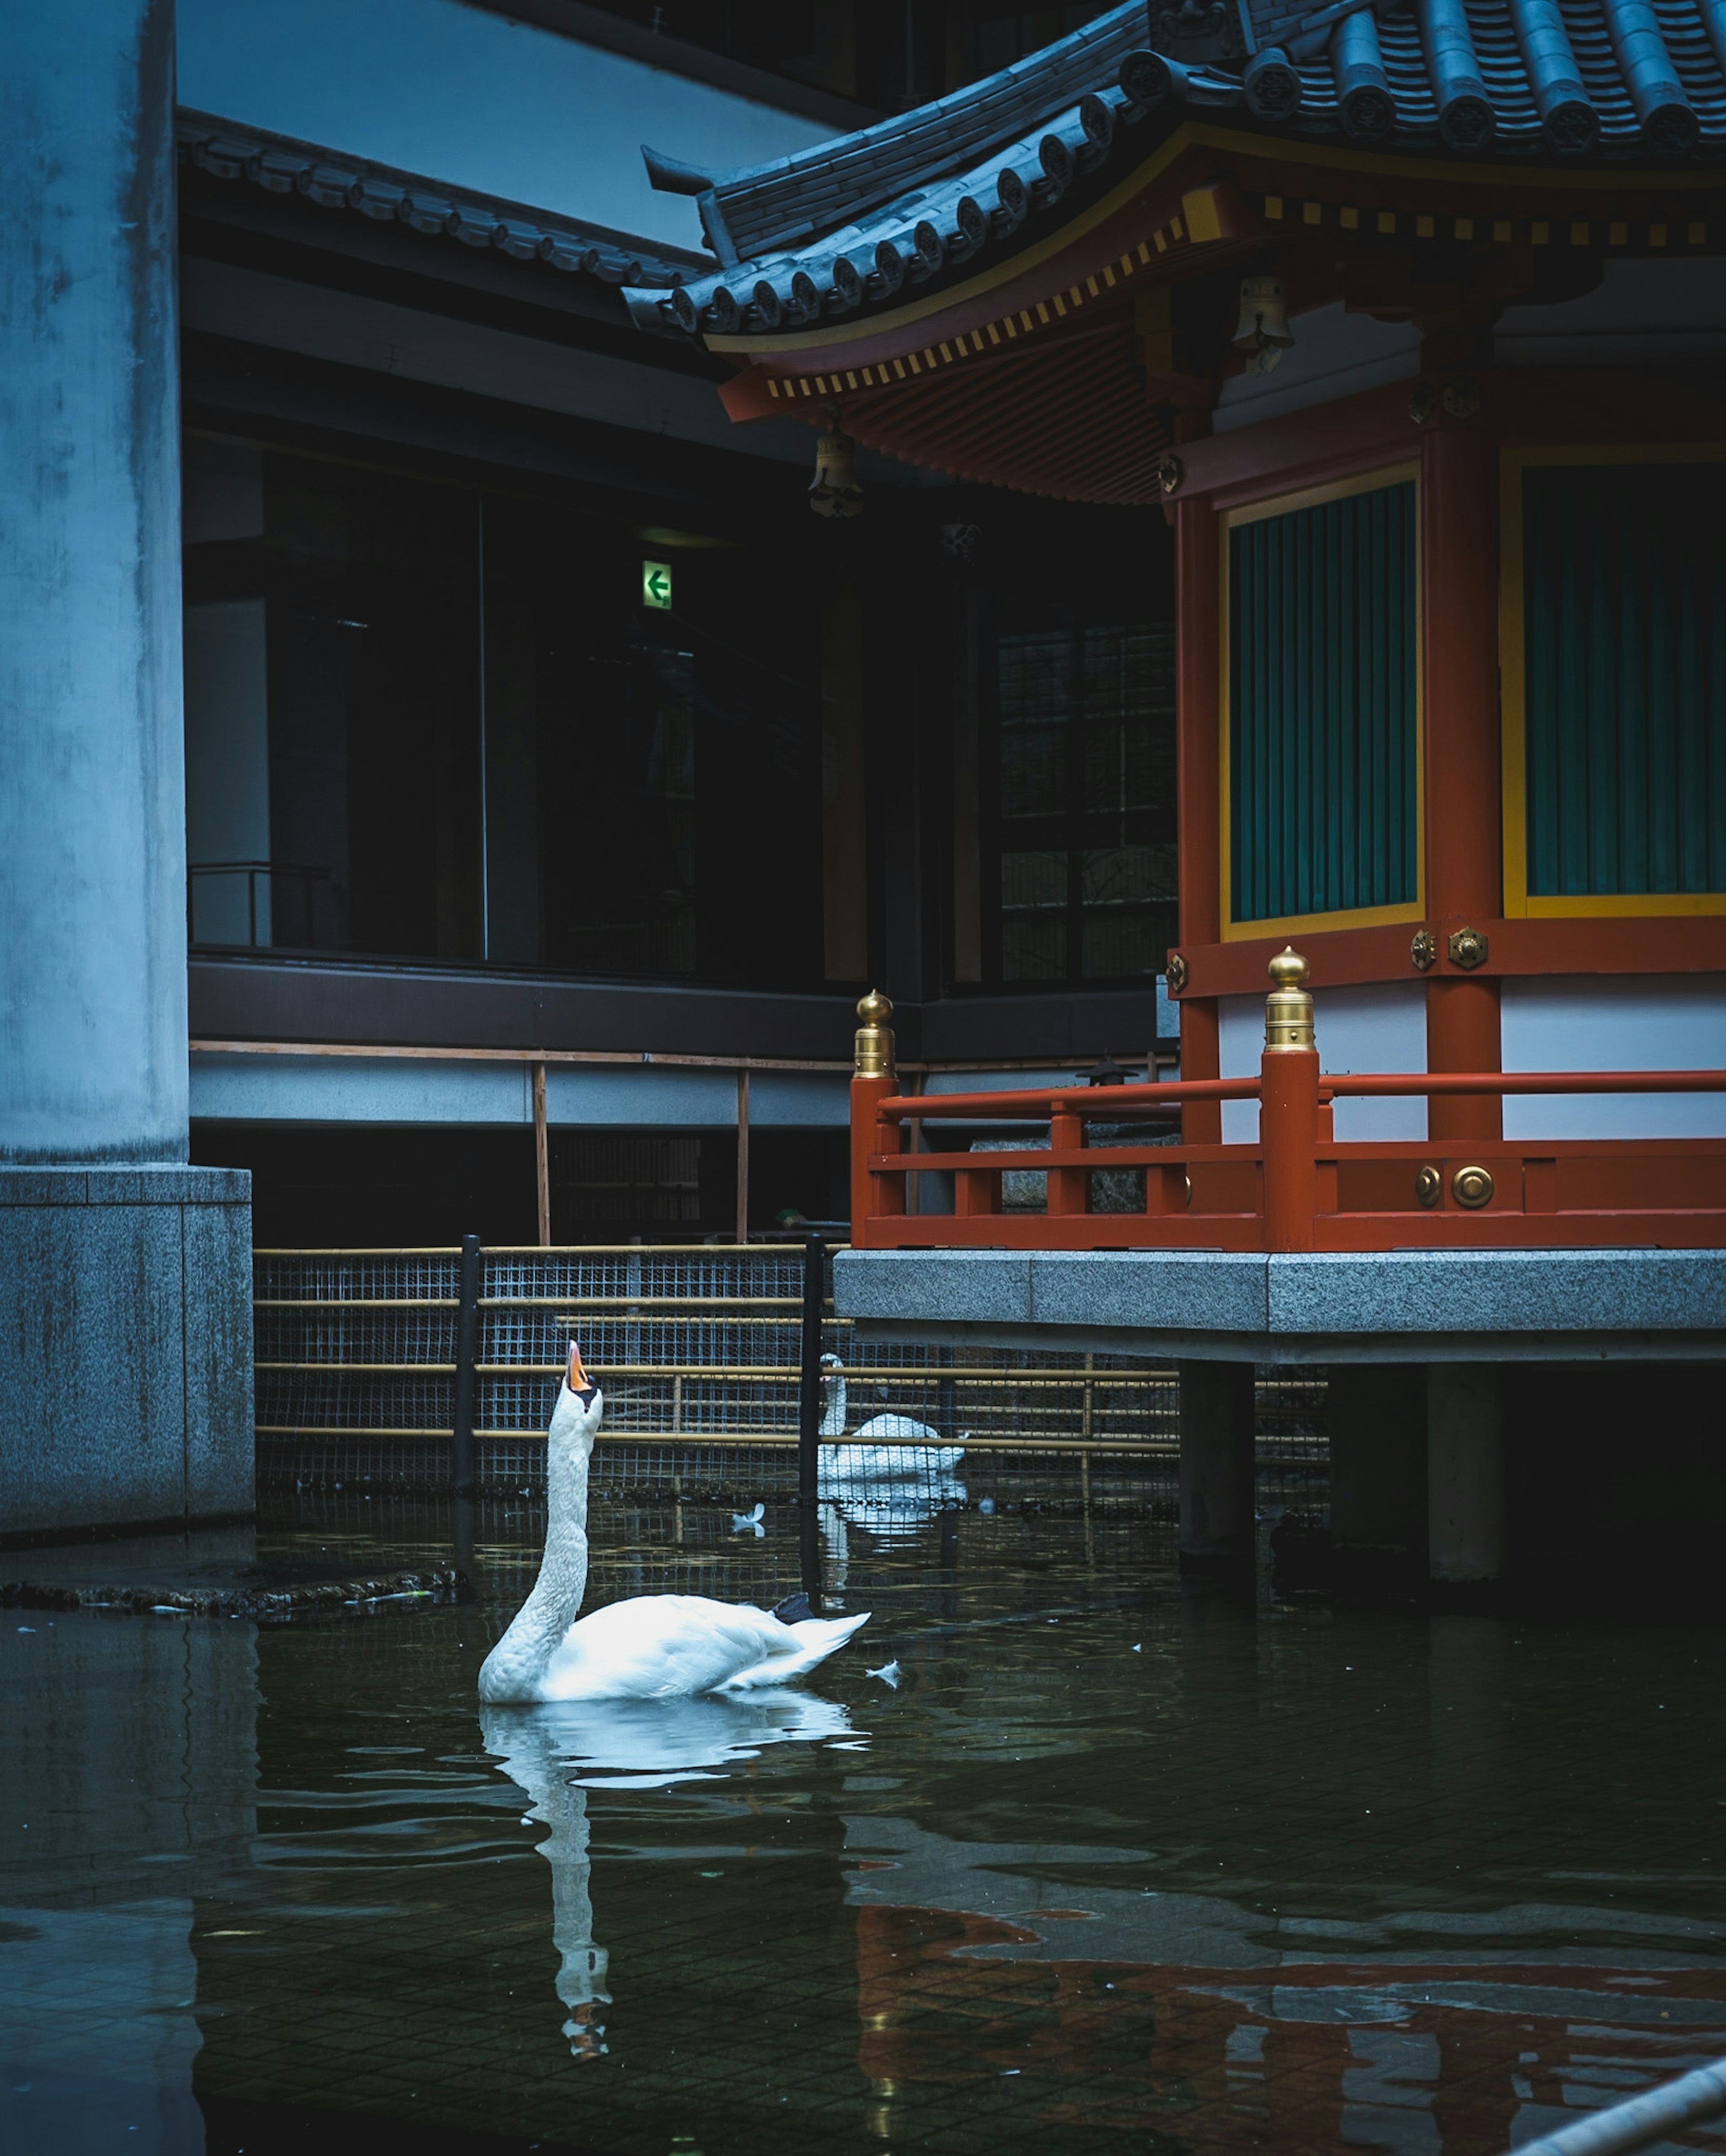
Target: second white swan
column 887, row 1446
column 653, row 1646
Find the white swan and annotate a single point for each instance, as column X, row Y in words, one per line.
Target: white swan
column 887, row 1445
column 653, row 1646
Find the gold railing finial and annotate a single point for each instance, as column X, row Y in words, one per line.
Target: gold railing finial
column 875, row 1037
column 1288, row 1007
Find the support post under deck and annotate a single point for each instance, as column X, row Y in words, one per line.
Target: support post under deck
column 1217, row 1417
column 1465, row 1475
column 1377, row 1415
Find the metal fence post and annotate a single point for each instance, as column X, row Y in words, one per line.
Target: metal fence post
column 809, row 1417
column 467, row 1356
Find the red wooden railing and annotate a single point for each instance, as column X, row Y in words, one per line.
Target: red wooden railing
column 1295, row 1188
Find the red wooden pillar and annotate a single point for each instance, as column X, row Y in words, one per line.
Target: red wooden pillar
column 1459, row 556
column 1198, row 626
column 1069, row 1188
column 1288, row 1108
column 872, row 1198
column 874, row 1080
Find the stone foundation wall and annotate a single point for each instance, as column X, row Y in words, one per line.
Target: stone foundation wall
column 125, row 1346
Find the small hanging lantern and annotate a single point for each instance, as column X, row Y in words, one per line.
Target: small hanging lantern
column 1262, row 332
column 834, row 492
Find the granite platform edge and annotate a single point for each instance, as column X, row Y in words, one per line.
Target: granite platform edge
column 167, row 1182
column 1505, row 1302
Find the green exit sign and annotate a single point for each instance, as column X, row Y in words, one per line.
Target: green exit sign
column 656, row 583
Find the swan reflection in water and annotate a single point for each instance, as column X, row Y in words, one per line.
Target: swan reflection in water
column 892, row 1512
column 557, row 1753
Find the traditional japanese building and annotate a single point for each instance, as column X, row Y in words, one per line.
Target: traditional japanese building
column 1410, row 319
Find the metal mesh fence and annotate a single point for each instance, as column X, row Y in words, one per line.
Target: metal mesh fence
column 698, row 1351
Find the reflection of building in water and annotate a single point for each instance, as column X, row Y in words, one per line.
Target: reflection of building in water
column 129, row 1752
column 1118, row 2009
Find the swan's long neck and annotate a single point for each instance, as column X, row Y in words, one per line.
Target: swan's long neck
column 516, row 1664
column 833, row 1419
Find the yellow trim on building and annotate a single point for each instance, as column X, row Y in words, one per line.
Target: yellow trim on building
column 1255, row 513
column 1519, row 902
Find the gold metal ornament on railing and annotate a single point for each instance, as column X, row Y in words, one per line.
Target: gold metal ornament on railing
column 874, row 1047
column 1472, row 1188
column 1288, row 1007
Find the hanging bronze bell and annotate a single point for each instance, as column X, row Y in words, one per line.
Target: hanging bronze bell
column 834, row 492
column 1262, row 332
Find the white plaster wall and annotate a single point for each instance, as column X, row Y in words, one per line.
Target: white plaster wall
column 1382, row 1027
column 1335, row 354
column 258, row 309
column 1642, row 314
column 1671, row 1022
column 469, row 97
column 355, row 1089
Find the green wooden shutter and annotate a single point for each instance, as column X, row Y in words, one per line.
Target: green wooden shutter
column 1624, row 608
column 1324, row 748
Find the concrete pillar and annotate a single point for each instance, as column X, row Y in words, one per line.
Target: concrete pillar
column 1377, row 1418
column 110, row 1245
column 1465, row 1473
column 1217, row 1421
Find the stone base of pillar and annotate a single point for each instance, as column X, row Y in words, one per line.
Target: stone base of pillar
column 1465, row 1475
column 126, row 1385
column 1377, row 1418
column 1217, row 1423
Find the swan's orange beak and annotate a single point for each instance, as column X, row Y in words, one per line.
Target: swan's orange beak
column 578, row 1379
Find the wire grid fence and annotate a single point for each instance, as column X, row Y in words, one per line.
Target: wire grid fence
column 698, row 1351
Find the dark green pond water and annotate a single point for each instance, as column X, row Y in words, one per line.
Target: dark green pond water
column 1114, row 1865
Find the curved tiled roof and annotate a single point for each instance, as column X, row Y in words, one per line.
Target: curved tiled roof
column 282, row 166
column 848, row 224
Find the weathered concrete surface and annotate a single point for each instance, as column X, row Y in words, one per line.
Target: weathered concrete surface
column 1398, row 1306
column 126, row 1345
column 125, row 1275
column 92, row 805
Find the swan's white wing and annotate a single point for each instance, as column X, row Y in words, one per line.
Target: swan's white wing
column 662, row 1646
column 903, row 1427
column 799, row 1648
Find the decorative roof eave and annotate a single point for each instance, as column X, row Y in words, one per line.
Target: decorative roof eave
column 281, row 165
column 766, row 210
column 1503, row 82
column 1174, row 207
column 1063, row 398
column 1029, row 300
